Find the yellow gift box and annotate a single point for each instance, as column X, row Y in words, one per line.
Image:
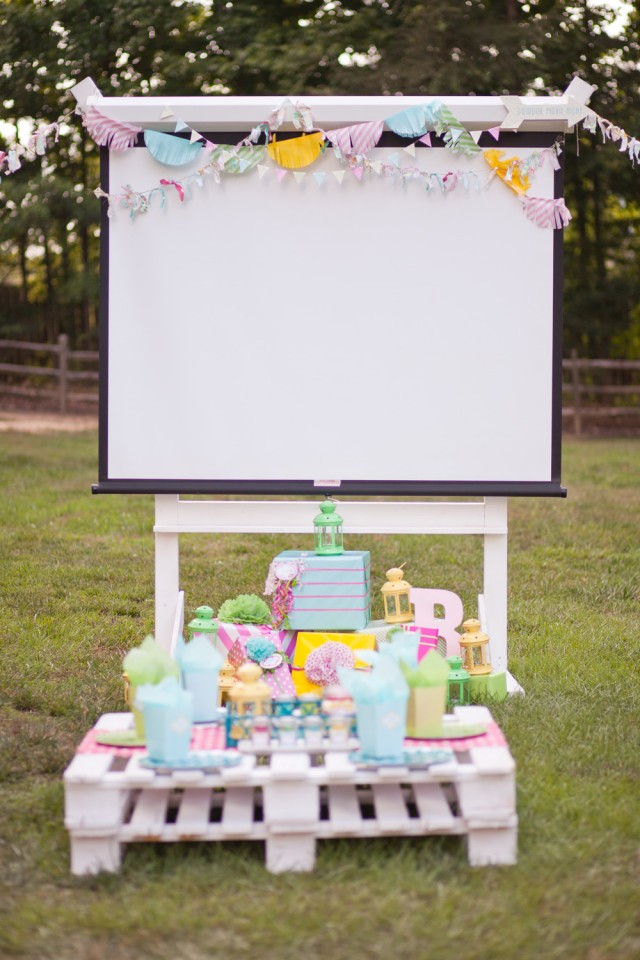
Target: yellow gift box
column 307, row 642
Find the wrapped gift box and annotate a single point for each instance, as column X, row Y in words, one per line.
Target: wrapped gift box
column 307, row 642
column 228, row 633
column 329, row 593
column 428, row 641
column 276, row 674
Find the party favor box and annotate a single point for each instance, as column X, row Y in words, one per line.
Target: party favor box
column 329, row 593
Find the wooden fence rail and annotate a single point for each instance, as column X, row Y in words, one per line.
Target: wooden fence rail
column 61, row 372
column 586, row 395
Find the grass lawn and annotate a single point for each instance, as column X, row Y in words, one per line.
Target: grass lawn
column 76, row 591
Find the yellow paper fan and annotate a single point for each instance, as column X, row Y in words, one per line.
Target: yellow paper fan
column 296, row 153
column 518, row 183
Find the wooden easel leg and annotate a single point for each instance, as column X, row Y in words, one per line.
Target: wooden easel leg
column 167, row 570
column 495, row 579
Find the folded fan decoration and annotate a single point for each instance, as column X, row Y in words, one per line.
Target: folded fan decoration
column 298, row 152
column 171, row 150
column 415, row 121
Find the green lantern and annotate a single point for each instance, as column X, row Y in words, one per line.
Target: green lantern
column 328, row 536
column 458, row 684
column 203, row 625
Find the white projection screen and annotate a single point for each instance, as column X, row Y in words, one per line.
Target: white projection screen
column 294, row 335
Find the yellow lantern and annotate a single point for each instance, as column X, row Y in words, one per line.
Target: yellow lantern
column 226, row 680
column 474, row 645
column 249, row 697
column 395, row 593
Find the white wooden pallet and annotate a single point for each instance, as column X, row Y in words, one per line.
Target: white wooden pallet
column 289, row 800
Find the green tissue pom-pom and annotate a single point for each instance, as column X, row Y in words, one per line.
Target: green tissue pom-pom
column 247, row 608
column 259, row 648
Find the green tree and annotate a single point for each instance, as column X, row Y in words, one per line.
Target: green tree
column 48, row 228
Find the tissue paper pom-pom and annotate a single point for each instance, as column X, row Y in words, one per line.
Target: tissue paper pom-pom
column 321, row 663
column 247, row 608
column 259, row 648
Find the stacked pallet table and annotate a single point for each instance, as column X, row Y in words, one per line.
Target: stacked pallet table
column 290, row 799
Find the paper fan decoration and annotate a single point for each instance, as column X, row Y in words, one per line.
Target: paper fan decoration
column 171, row 150
column 110, row 133
column 298, row 152
column 547, row 213
column 508, row 169
column 322, row 662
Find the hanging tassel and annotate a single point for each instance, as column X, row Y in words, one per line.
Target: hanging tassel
column 177, row 185
column 547, row 213
column 110, row 133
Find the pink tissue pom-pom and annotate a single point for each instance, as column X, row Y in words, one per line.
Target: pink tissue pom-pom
column 320, row 667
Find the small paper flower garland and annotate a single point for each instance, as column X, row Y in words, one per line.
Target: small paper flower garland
column 280, row 591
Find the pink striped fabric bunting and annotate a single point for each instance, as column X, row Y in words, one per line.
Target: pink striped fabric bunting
column 110, row 133
column 357, row 138
column 547, row 213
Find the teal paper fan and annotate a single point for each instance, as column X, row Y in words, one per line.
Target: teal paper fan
column 170, row 150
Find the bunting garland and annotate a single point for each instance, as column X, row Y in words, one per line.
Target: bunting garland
column 11, row 159
column 350, row 146
column 610, row 131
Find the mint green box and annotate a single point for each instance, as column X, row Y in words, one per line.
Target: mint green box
column 489, row 686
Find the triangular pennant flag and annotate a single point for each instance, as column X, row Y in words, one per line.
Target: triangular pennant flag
column 195, row 136
column 394, row 159
column 357, row 172
column 411, row 149
column 207, row 146
column 495, row 132
column 243, row 164
column 339, row 175
column 476, row 134
column 426, row 139
column 456, row 133
column 299, row 176
column 280, row 175
column 262, row 170
column 181, row 125
column 166, row 114
column 376, row 166
column 319, row 178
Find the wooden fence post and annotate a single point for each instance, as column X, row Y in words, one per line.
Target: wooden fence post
column 63, row 367
column 575, row 383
